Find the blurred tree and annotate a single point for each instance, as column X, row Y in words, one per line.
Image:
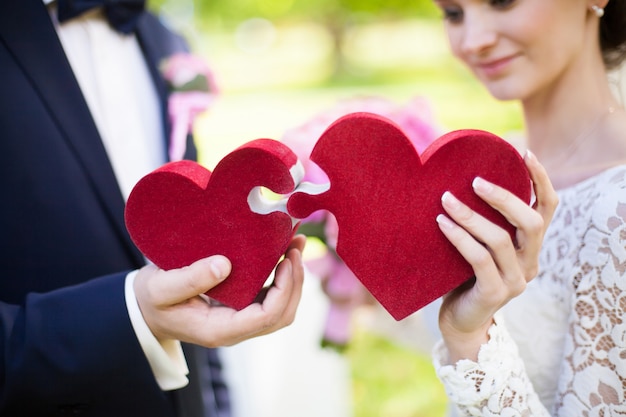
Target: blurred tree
column 336, row 15
column 234, row 11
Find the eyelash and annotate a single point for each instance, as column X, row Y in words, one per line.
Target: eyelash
column 454, row 14
column 502, row 4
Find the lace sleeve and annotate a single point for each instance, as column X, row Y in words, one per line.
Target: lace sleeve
column 592, row 378
column 496, row 385
column 593, row 375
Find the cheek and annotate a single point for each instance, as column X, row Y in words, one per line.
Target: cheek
column 548, row 54
column 543, row 28
column 455, row 38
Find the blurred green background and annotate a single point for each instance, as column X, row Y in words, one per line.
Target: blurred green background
column 280, row 62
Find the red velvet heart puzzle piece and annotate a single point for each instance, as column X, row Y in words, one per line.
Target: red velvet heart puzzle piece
column 386, row 198
column 182, row 212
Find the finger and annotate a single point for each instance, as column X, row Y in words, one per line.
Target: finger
column 529, row 223
column 252, row 321
column 298, row 242
column 219, row 325
column 492, row 286
column 500, row 248
column 294, row 256
column 547, row 198
column 515, row 210
column 283, row 297
column 485, row 231
column 471, row 250
column 178, row 285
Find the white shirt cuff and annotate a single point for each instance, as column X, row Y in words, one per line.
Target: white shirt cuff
column 166, row 358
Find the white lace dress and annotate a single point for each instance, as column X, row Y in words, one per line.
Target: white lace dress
column 559, row 349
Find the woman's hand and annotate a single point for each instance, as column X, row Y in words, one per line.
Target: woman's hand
column 502, row 267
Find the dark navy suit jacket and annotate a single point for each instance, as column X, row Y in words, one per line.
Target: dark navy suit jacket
column 66, row 343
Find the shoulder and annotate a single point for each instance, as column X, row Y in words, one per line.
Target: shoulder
column 608, row 205
column 610, row 185
column 601, row 184
column 597, row 201
column 603, row 233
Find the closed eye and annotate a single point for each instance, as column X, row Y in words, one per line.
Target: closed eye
column 502, row 4
column 451, row 12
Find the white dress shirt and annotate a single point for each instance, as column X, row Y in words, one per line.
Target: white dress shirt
column 123, row 101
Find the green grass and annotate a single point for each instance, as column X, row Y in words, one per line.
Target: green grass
column 392, row 381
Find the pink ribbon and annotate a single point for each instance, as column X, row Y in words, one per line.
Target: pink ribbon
column 183, row 107
column 187, row 98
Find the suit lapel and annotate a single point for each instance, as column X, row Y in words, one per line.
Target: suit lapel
column 40, row 54
column 154, row 52
column 158, row 43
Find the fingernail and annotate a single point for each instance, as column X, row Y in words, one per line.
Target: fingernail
column 220, row 266
column 445, row 222
column 529, row 155
column 481, row 185
column 449, row 200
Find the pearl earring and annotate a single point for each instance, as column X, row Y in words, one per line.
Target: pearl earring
column 599, row 11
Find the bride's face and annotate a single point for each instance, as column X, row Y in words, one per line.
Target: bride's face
column 516, row 48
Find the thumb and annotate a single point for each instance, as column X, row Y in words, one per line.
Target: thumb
column 179, row 285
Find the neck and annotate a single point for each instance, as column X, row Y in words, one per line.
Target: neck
column 568, row 111
column 577, row 138
column 558, row 112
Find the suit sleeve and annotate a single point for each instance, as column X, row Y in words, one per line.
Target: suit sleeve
column 72, row 350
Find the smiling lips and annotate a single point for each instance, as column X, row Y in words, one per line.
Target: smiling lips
column 494, row 68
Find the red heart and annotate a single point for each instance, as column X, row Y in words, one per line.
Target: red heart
column 386, row 198
column 181, row 212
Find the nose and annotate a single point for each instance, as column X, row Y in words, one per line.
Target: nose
column 479, row 34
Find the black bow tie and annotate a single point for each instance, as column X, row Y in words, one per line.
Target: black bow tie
column 121, row 14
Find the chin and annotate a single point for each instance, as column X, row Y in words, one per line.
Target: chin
column 504, row 91
column 505, row 86
column 505, row 97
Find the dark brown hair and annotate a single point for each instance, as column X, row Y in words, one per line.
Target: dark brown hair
column 613, row 33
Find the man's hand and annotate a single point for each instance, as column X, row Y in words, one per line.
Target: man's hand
column 173, row 305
